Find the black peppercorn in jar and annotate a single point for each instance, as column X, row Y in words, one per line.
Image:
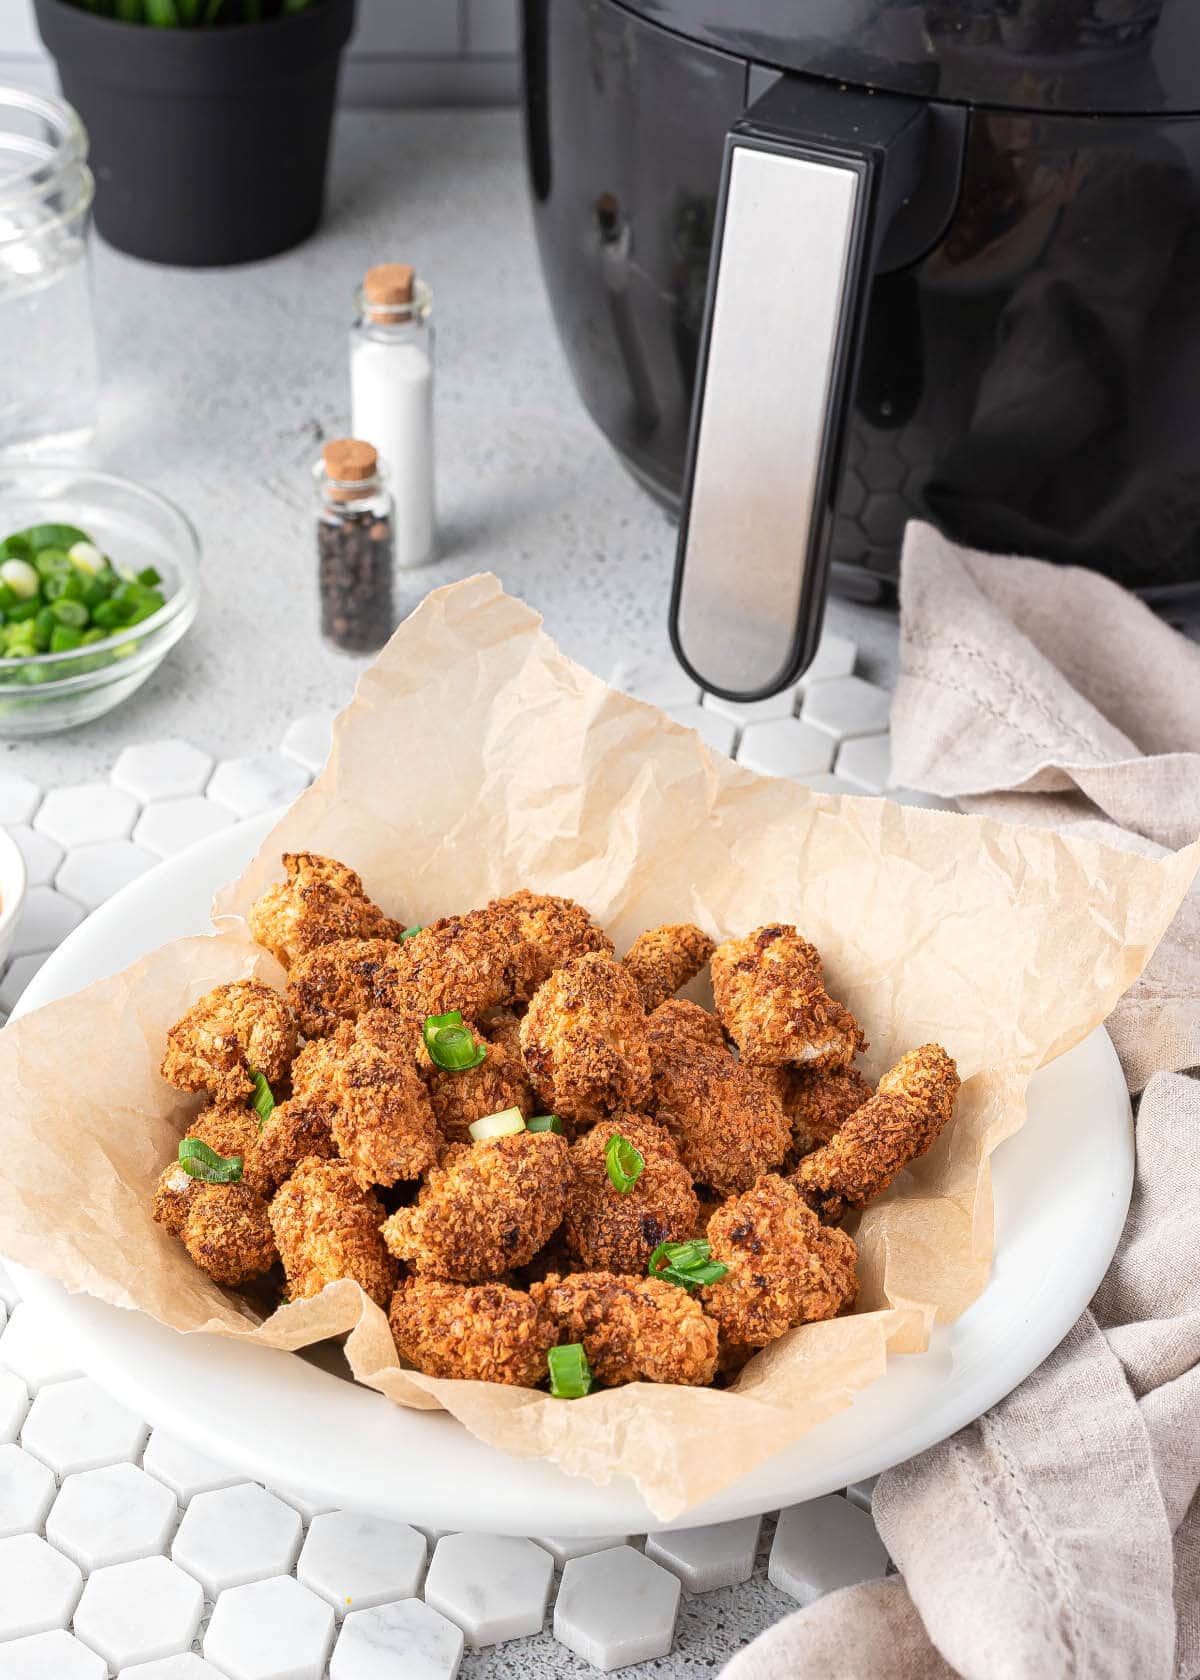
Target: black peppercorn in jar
column 354, row 547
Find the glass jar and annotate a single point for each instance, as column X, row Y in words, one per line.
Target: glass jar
column 354, row 547
column 391, row 397
column 49, row 383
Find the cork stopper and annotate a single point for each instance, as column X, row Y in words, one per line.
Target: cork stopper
column 349, row 462
column 387, row 288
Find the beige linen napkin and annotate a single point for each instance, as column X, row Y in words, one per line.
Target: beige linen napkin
column 1058, row 1538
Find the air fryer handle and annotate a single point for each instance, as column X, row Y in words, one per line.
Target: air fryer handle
column 813, row 176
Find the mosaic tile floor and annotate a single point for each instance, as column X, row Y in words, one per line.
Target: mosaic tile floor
column 123, row 1553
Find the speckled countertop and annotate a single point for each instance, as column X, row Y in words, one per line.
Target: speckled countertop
column 220, row 384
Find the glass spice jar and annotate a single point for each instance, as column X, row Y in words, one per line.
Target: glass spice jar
column 354, row 547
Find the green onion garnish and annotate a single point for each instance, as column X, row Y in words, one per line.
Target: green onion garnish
column 264, row 1099
column 451, row 1045
column 507, row 1123
column 570, row 1377
column 544, row 1123
column 688, row 1264
column 624, row 1164
column 411, row 932
column 199, row 1161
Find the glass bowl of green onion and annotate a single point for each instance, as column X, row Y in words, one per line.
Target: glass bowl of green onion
column 98, row 581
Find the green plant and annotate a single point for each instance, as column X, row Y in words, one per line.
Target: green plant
column 192, row 14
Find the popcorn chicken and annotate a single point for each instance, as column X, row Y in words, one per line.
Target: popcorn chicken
column 771, row 998
column 228, row 1234
column 341, row 981
column 294, row 1131
column 232, row 1029
column 585, row 1040
column 632, row 1329
column 470, row 963
column 553, row 930
column 817, row 1101
column 663, row 959
column 677, row 1022
column 607, row 1231
column 327, row 1227
column 461, row 1097
column 320, row 902
column 482, row 1332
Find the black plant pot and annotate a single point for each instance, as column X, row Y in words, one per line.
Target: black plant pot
column 208, row 145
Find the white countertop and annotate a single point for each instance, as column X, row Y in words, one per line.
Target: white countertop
column 219, row 386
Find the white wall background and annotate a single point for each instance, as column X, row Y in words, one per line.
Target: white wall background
column 403, row 52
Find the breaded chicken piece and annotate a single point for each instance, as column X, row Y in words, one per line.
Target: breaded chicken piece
column 610, row 1232
column 293, row 1131
column 663, row 959
column 233, row 1129
column 488, row 1208
column 341, row 981
column 367, row 1079
column 817, row 1101
column 725, row 1122
column 326, row 1228
column 499, row 1082
column 172, row 1198
column 899, row 1123
column 678, row 1021
column 228, row 1234
column 554, row 931
column 230, row 1030
column 320, row 902
column 585, row 1040
column 770, row 995
column 471, row 963
column 483, row 1332
column 632, row 1329
column 785, row 1267
column 502, row 1025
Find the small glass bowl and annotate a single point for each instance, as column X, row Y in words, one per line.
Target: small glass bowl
column 136, row 528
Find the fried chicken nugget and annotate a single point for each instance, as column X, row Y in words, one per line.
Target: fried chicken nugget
column 228, row 1233
column 769, row 993
column 379, row 1109
column 554, row 931
column 663, row 959
column 502, row 1025
column 233, row 1129
column 341, row 981
column 632, row 1329
column 900, row 1122
column 486, row 1209
column 230, row 1030
column 320, row 902
column 499, row 1082
column 726, row 1123
column 678, row 1020
column 585, row 1040
column 785, row 1267
column 326, row 1228
column 608, row 1231
column 817, row 1101
column 484, row 1332
column 292, row 1132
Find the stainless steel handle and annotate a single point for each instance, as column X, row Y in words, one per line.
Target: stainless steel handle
column 798, row 225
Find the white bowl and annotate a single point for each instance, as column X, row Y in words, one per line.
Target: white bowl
column 14, row 882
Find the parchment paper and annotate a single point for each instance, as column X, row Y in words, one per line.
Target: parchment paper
column 476, row 759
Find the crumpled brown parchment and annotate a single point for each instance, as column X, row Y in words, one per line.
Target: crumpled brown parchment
column 475, row 759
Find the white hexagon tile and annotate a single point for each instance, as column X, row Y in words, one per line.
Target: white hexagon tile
column 126, row 1554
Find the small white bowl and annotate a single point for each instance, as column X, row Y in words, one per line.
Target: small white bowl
column 13, row 882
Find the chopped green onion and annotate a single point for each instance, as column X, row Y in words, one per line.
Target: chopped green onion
column 451, row 1045
column 199, row 1161
column 507, row 1123
column 570, row 1375
column 411, row 933
column 687, row 1264
column 624, row 1164
column 21, row 578
column 73, row 613
column 86, row 557
column 263, row 1102
column 544, row 1123
column 148, row 577
column 64, row 639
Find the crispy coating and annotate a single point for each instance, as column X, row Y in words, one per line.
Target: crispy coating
column 663, row 959
column 769, row 993
column 366, row 1077
column 610, row 1232
column 585, row 1040
column 785, row 1267
column 632, row 1329
column 228, row 1234
column 484, row 1332
column 498, row 1082
column 233, row 1129
column 817, row 1101
column 320, row 902
column 294, row 1131
column 502, row 1025
column 726, row 1123
column 553, row 930
column 341, row 981
column 231, row 1029
column 899, row 1123
column 327, row 1228
column 470, row 963
column 678, row 1022
column 488, row 1208
column 172, row 1198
